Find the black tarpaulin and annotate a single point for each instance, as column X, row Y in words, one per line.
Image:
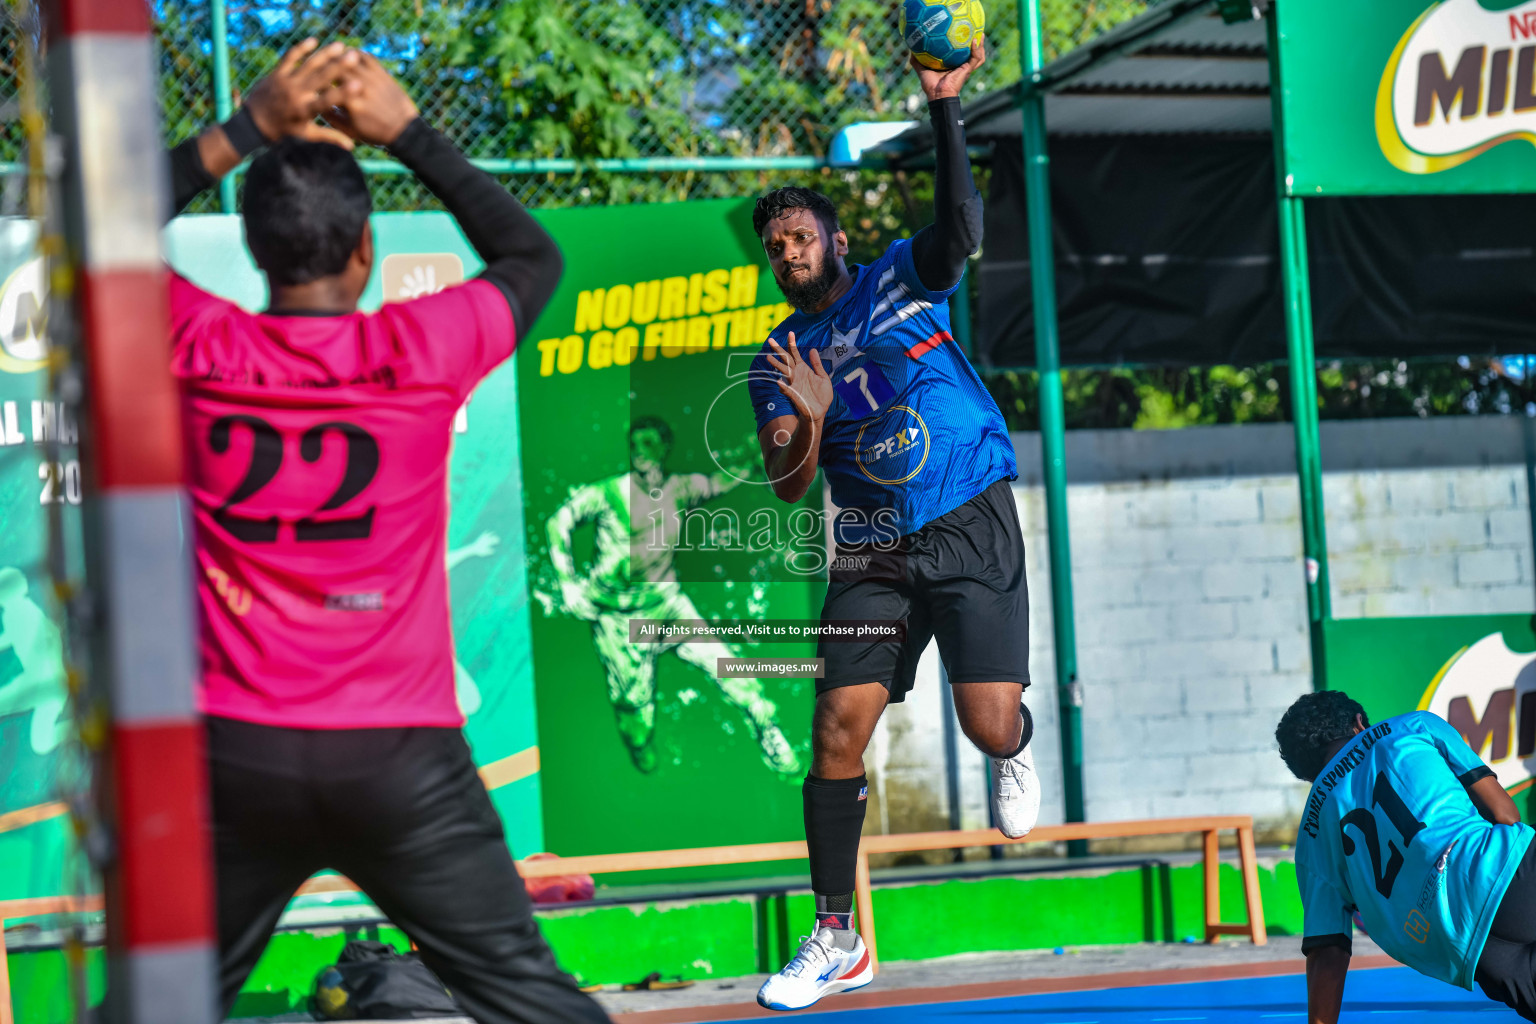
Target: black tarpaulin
column 1167, row 252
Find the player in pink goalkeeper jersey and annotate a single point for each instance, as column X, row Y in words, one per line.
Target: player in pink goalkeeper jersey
column 317, row 440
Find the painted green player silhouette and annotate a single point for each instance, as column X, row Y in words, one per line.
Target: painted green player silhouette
column 632, row 576
column 40, row 688
column 483, row 546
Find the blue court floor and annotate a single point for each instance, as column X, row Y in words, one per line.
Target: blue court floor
column 1394, row 995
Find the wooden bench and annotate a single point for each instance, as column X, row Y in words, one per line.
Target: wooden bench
column 656, row 860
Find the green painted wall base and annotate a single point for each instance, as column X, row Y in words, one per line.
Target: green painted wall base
column 40, row 985
column 735, row 935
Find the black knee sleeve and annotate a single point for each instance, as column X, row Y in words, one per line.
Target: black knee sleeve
column 834, row 819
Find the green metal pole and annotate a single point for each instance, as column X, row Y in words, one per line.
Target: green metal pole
column 1309, row 465
column 223, row 94
column 1053, row 426
column 1302, row 355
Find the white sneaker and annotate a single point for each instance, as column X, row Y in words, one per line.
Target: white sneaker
column 1015, row 793
column 817, row 970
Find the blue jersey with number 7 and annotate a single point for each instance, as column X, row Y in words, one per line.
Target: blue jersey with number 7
column 1390, row 831
column 911, row 429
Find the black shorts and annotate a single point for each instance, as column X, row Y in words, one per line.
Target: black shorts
column 960, row 578
column 1506, row 971
column 403, row 813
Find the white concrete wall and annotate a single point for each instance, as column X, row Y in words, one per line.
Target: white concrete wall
column 1444, row 541
column 1191, row 611
column 1191, row 621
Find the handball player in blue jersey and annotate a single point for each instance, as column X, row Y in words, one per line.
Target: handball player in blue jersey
column 1408, row 828
column 865, row 382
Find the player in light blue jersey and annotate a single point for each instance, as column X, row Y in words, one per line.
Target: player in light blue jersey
column 865, row 382
column 1407, row 827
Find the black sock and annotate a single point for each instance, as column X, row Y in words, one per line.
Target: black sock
column 1025, row 736
column 834, row 819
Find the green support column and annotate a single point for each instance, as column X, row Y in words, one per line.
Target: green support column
column 1053, row 427
column 1302, row 355
column 1309, row 462
column 223, row 96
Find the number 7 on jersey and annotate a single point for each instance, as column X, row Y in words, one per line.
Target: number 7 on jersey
column 863, row 390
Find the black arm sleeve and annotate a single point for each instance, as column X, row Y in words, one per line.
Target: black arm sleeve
column 188, row 175
column 1475, row 776
column 520, row 257
column 1342, row 941
column 940, row 250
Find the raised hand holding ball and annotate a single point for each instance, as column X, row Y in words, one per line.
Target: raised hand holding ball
column 939, row 33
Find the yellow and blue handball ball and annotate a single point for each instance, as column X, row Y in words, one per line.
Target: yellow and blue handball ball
column 939, row 34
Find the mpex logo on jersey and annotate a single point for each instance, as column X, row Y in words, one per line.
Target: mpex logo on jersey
column 1487, row 692
column 1461, row 80
column 898, row 442
column 894, row 449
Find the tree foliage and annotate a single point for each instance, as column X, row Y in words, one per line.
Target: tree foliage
column 623, row 78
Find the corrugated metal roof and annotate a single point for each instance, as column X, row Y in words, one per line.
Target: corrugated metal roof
column 1171, row 70
column 1176, row 69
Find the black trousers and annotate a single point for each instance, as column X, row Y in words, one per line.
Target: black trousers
column 401, row 812
column 1507, row 969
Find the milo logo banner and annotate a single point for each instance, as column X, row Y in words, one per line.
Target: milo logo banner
column 1404, row 96
column 1488, row 694
column 1476, row 672
column 649, row 520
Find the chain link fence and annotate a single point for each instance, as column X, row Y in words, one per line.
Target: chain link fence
column 576, row 80
column 19, row 26
column 581, row 80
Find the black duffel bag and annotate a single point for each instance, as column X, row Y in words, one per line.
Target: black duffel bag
column 370, row 981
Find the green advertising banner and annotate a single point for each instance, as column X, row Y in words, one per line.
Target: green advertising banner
column 646, row 503
column 608, row 473
column 1393, row 97
column 1478, row 672
column 35, row 843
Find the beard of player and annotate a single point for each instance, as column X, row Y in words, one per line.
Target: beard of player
column 805, row 292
